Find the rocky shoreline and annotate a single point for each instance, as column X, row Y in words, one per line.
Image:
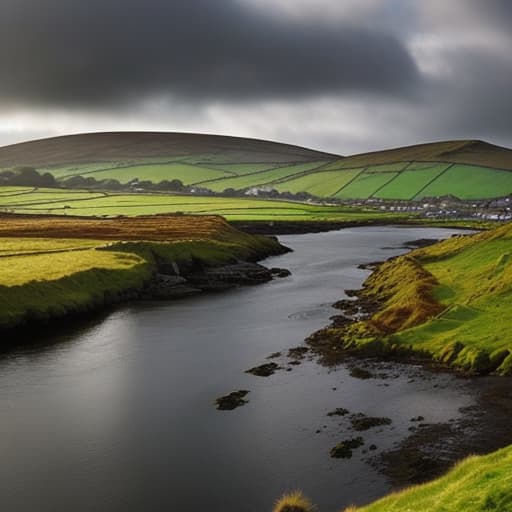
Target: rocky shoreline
column 181, row 283
column 167, row 281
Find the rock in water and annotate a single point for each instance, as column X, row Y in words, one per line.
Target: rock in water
column 232, row 401
column 344, row 449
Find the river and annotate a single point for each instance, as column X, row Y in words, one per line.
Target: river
column 117, row 413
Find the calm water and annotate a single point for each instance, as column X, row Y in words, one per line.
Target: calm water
column 118, row 415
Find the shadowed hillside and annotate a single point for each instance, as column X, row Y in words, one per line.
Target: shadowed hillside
column 120, row 146
column 471, row 152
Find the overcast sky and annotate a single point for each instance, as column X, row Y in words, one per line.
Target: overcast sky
column 340, row 75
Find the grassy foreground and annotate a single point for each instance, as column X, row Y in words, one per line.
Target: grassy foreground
column 476, row 484
column 51, row 267
column 449, row 302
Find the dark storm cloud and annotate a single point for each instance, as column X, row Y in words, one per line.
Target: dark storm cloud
column 101, row 51
column 471, row 97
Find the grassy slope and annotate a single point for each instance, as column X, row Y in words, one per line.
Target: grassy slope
column 476, row 484
column 479, row 170
column 51, row 267
column 450, row 301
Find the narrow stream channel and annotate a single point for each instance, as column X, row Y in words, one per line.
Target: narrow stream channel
column 118, row 414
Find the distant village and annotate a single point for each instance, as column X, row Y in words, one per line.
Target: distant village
column 445, row 207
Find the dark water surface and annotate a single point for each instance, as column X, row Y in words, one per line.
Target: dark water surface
column 118, row 415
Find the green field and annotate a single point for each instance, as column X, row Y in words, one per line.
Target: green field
column 470, row 182
column 401, row 180
column 85, row 203
column 319, row 183
column 260, row 178
column 409, row 183
column 365, row 184
column 186, row 173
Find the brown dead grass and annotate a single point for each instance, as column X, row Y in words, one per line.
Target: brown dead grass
column 151, row 228
column 405, row 289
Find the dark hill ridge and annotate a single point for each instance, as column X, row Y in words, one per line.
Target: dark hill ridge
column 471, row 152
column 115, row 146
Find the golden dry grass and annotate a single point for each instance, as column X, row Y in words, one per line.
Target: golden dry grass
column 294, row 502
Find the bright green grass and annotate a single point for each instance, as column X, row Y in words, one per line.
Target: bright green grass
column 70, row 276
column 475, row 284
column 260, row 178
column 477, row 484
column 186, row 173
column 365, row 185
column 407, row 184
column 20, row 269
column 88, row 204
column 471, row 182
column 450, row 301
column 320, row 184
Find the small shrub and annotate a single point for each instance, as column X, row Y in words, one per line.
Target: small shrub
column 294, row 502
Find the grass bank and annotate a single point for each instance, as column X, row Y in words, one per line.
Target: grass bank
column 475, row 484
column 449, row 302
column 53, row 267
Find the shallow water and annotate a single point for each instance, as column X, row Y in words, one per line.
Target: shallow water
column 118, row 414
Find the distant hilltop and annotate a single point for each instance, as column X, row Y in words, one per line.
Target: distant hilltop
column 466, row 169
column 116, row 146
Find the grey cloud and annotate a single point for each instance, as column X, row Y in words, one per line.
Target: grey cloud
column 73, row 52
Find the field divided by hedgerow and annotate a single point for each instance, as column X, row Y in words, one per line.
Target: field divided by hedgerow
column 61, row 202
column 320, row 183
column 408, row 184
column 471, row 182
column 186, row 173
column 260, row 178
column 365, row 185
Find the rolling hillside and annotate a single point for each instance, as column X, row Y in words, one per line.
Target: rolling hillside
column 464, row 169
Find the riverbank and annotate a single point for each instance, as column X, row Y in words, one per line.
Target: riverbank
column 447, row 303
column 54, row 267
column 298, row 227
column 444, row 306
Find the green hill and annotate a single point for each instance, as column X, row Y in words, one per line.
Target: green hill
column 190, row 158
column 464, row 169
